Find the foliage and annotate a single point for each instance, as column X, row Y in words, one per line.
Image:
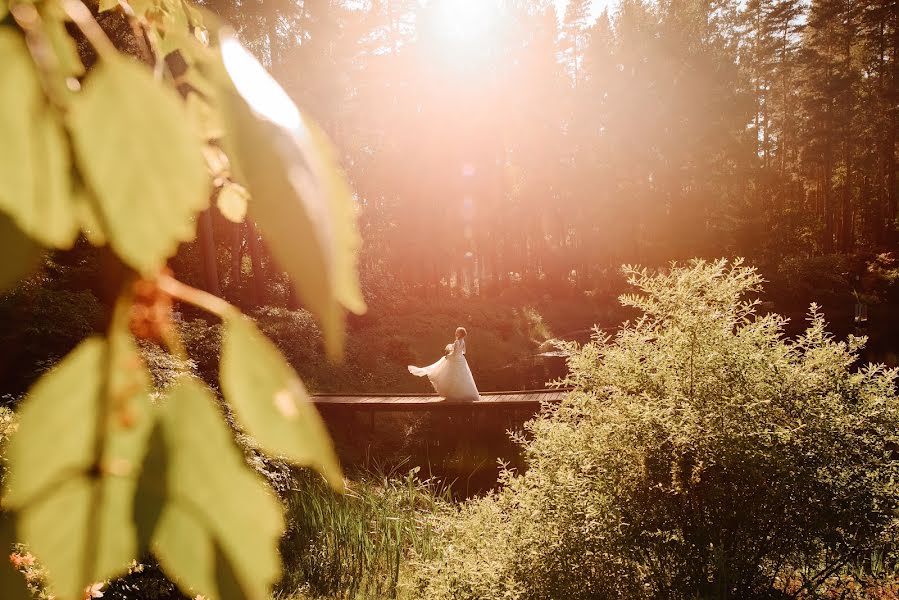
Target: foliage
column 826, row 279
column 702, row 454
column 106, row 464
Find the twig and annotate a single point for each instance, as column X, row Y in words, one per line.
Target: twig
column 31, row 22
column 84, row 20
column 198, row 298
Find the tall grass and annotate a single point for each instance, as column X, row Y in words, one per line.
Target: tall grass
column 356, row 545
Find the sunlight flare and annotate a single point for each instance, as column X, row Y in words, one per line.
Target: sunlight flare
column 464, row 23
column 257, row 87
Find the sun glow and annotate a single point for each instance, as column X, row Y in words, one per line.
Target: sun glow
column 464, row 22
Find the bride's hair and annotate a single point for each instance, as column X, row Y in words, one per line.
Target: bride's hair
column 460, row 332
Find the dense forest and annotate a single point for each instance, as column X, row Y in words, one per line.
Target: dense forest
column 505, row 170
column 555, row 145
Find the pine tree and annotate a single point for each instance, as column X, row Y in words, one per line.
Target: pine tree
column 574, row 35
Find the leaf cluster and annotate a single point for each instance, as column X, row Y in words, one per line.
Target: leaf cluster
column 105, row 466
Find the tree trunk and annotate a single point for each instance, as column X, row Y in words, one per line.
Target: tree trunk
column 236, row 261
column 846, row 212
column 892, row 116
column 258, row 287
column 206, row 239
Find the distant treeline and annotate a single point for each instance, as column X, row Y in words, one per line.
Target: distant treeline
column 554, row 149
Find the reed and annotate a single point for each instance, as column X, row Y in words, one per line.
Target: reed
column 356, row 545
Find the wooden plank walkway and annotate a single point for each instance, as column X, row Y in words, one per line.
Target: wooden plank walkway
column 530, row 399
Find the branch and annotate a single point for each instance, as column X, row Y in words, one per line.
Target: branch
column 198, row 298
column 85, row 21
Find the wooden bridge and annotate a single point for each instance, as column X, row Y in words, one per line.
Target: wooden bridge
column 506, row 408
column 490, row 401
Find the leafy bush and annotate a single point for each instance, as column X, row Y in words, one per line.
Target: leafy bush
column 702, row 454
column 104, row 468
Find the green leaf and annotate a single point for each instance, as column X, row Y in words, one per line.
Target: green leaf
column 51, row 218
column 74, row 460
column 88, row 218
column 84, row 521
column 142, row 7
column 142, row 158
column 18, row 95
column 35, row 181
column 347, row 240
column 185, row 548
column 293, row 185
column 45, row 438
column 166, row 15
column 206, row 119
column 214, row 501
column 270, row 402
column 232, row 202
column 108, row 5
column 21, row 255
column 12, row 582
column 152, row 490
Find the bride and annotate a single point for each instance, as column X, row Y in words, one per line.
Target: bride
column 450, row 375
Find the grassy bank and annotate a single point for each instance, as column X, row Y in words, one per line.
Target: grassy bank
column 357, row 545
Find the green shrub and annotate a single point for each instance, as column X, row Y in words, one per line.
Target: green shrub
column 701, row 455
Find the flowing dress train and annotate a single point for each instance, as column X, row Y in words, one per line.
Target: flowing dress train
column 450, row 375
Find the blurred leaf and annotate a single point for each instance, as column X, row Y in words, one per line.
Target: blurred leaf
column 202, row 86
column 18, row 96
column 347, row 240
column 184, row 546
column 270, row 402
column 141, row 7
column 83, row 521
column 108, row 5
column 88, row 219
column 140, row 155
column 21, row 255
column 75, row 506
column 232, row 202
column 45, row 438
column 51, row 218
column 12, row 582
column 34, row 157
column 152, row 489
column 291, row 182
column 214, row 500
column 207, row 120
column 4, row 9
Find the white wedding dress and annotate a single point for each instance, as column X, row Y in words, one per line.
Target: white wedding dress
column 450, row 375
